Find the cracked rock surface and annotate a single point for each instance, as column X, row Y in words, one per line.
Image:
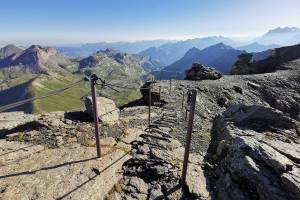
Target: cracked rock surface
column 256, row 152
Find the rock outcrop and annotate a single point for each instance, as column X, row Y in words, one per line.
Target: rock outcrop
column 256, row 152
column 52, row 156
column 270, row 62
column 107, row 109
column 199, row 72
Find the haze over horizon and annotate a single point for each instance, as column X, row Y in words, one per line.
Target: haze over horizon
column 67, row 22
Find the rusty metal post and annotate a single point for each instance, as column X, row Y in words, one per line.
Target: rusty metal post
column 159, row 92
column 149, row 106
column 170, row 89
column 189, row 135
column 93, row 80
column 182, row 103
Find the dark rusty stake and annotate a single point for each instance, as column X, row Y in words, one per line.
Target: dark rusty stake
column 149, row 107
column 159, row 92
column 94, row 78
column 189, row 135
column 182, row 103
column 170, row 89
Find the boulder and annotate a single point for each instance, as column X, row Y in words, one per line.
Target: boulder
column 200, row 72
column 107, row 109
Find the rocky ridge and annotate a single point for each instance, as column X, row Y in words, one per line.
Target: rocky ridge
column 272, row 60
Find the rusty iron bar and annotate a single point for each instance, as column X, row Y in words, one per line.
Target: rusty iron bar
column 189, row 135
column 149, row 107
column 170, row 89
column 182, row 103
column 93, row 80
column 159, row 91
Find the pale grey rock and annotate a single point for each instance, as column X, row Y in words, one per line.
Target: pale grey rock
column 261, row 151
column 107, row 110
column 144, row 149
column 156, row 192
column 136, row 185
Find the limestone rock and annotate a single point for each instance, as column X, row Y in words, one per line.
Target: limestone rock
column 107, row 110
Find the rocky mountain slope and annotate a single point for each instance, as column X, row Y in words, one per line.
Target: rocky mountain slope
column 265, row 62
column 36, row 59
column 9, row 50
column 248, row 129
column 38, row 70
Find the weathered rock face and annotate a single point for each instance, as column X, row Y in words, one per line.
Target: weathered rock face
column 107, row 110
column 200, row 72
column 247, row 64
column 256, row 152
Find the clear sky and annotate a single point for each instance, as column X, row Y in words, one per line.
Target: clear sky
column 80, row 21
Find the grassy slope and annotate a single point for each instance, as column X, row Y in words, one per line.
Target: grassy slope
column 70, row 99
column 122, row 97
column 66, row 101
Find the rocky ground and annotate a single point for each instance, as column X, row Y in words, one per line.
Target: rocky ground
column 245, row 145
column 53, row 156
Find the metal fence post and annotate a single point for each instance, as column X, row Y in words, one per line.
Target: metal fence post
column 149, row 106
column 189, row 135
column 170, row 89
column 93, row 80
column 159, row 92
column 182, row 103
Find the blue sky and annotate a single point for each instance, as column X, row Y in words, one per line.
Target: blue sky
column 79, row 21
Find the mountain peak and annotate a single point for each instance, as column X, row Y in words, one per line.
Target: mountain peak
column 9, row 50
column 193, row 50
column 280, row 30
column 220, row 45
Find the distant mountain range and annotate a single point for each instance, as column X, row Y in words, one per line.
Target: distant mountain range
column 170, row 52
column 219, row 56
column 256, row 47
column 280, row 36
column 128, row 47
column 166, row 52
